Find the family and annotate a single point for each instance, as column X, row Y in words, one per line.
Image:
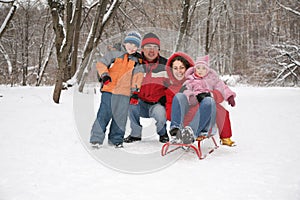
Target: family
column 186, row 93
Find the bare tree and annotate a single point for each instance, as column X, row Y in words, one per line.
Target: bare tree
column 3, row 27
column 45, row 51
column 26, row 34
column 64, row 18
column 183, row 23
column 288, row 8
column 286, row 57
column 9, row 15
column 8, row 60
column 102, row 16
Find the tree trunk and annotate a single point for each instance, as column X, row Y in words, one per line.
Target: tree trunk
column 86, row 63
column 183, row 24
column 64, row 39
column 58, row 84
column 43, row 65
column 76, row 42
column 207, row 43
column 94, row 39
column 8, row 17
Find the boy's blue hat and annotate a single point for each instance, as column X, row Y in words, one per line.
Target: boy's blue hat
column 133, row 37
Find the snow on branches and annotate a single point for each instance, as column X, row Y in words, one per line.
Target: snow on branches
column 287, row 57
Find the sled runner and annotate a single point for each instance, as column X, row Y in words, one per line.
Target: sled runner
column 173, row 146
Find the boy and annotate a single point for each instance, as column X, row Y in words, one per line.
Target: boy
column 121, row 76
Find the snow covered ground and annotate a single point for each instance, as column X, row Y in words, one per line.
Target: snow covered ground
column 44, row 152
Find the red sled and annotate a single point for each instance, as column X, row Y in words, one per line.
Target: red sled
column 175, row 146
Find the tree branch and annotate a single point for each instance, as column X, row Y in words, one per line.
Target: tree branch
column 9, row 15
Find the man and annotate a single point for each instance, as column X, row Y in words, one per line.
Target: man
column 151, row 97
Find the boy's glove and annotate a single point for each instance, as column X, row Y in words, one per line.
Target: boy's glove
column 105, row 79
column 202, row 95
column 231, row 101
column 134, row 98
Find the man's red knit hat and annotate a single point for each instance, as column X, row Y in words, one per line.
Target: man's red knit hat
column 150, row 38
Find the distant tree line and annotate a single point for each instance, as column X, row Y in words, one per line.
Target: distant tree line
column 55, row 42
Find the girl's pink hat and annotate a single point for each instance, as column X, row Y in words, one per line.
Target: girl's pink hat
column 202, row 60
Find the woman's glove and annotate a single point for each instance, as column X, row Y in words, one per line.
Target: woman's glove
column 193, row 100
column 231, row 101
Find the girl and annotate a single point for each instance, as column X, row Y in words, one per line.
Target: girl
column 201, row 80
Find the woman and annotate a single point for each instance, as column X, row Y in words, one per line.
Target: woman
column 177, row 65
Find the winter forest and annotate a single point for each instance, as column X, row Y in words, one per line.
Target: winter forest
column 55, row 42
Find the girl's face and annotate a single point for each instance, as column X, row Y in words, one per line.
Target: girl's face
column 201, row 70
column 178, row 70
column 130, row 48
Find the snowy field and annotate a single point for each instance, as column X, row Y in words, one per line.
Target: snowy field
column 44, row 152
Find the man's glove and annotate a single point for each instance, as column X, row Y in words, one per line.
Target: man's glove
column 163, row 100
column 105, row 78
column 202, row 95
column 231, row 101
column 134, row 98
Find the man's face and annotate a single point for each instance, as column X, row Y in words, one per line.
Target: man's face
column 150, row 51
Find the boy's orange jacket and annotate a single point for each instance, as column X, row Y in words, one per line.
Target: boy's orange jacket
column 126, row 73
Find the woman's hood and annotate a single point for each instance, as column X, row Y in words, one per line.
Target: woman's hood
column 174, row 55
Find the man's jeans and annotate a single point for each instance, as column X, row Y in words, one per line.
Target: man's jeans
column 142, row 109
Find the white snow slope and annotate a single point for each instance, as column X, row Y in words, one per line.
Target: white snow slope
column 44, row 153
